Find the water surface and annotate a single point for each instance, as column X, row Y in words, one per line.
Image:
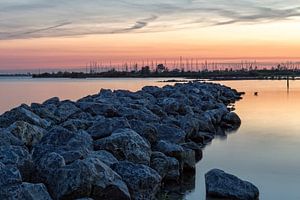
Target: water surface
column 265, row 150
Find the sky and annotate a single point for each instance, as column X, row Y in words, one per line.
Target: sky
column 63, row 33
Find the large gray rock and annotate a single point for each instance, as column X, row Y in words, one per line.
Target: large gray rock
column 126, row 144
column 27, row 133
column 66, row 109
column 170, row 133
column 139, row 113
column 107, row 110
column 45, row 112
column 89, row 177
column 70, row 145
column 52, row 101
column 17, row 156
column 22, row 113
column 12, row 188
column 77, row 124
column 7, row 138
column 104, row 156
column 142, row 181
column 231, row 120
column 186, row 157
column 9, row 176
column 144, row 129
column 34, row 191
column 104, row 127
column 222, row 185
column 167, row 167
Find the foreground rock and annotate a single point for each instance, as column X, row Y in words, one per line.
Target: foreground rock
column 112, row 145
column 222, row 185
column 143, row 182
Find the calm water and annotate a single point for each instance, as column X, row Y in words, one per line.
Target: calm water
column 265, row 150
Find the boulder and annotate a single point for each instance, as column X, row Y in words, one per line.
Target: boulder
column 126, row 144
column 231, row 120
column 186, row 157
column 27, row 133
column 170, row 133
column 104, row 127
column 34, row 192
column 142, row 181
column 22, row 113
column 201, row 137
column 70, row 145
column 11, row 186
column 146, row 130
column 7, row 138
column 86, row 178
column 45, row 112
column 167, row 167
column 140, row 113
column 17, row 156
column 53, row 101
column 107, row 110
column 104, row 156
column 77, row 124
column 66, row 109
column 9, row 176
column 222, row 185
column 196, row 148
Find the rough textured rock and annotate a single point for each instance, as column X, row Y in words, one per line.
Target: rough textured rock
column 222, row 185
column 17, row 156
column 77, row 124
column 126, row 144
column 89, row 177
column 11, row 186
column 170, row 133
column 22, row 113
column 66, row 109
column 186, row 157
column 70, row 145
column 146, row 130
column 142, row 181
column 167, row 167
column 104, row 156
column 106, row 126
column 107, row 110
column 231, row 120
column 35, row 191
column 7, row 138
column 27, row 133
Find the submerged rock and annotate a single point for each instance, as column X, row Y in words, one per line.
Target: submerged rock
column 231, row 120
column 222, row 185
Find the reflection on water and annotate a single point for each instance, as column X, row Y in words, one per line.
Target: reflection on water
column 265, row 150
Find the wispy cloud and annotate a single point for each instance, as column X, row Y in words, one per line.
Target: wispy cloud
column 56, row 18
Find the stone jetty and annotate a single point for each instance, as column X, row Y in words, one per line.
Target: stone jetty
column 113, row 145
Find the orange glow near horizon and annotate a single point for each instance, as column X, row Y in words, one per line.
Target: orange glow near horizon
column 271, row 41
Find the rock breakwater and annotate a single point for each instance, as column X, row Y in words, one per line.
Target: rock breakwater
column 111, row 145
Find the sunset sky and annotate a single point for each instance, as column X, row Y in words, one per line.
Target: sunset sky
column 52, row 34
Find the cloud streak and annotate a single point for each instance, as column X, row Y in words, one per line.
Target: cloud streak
column 56, row 18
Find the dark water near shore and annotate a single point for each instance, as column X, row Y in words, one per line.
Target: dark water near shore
column 265, row 150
